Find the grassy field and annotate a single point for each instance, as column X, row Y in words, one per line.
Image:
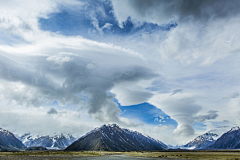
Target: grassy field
column 62, row 155
column 201, row 155
column 56, row 155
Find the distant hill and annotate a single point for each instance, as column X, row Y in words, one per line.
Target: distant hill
column 37, row 148
column 201, row 141
column 113, row 138
column 229, row 140
column 8, row 142
column 58, row 141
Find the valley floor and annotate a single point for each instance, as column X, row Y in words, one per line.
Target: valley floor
column 92, row 155
column 201, row 155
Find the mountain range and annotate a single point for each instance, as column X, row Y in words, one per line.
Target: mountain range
column 113, row 138
column 58, row 141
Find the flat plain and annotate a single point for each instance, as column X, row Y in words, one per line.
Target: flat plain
column 99, row 155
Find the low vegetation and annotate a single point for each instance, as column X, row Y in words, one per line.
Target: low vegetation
column 201, row 155
column 60, row 155
column 56, row 155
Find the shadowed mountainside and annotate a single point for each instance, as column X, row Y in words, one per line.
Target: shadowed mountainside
column 229, row 140
column 9, row 142
column 114, row 138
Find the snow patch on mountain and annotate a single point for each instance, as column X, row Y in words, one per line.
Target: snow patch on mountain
column 201, row 141
column 57, row 141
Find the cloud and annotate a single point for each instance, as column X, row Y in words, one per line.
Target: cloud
column 198, row 27
column 184, row 130
column 52, row 67
column 211, row 115
column 234, row 95
column 19, row 120
column 176, row 91
column 165, row 11
column 52, row 111
column 128, row 97
column 62, row 77
column 191, row 57
column 16, row 21
column 223, row 127
column 183, row 108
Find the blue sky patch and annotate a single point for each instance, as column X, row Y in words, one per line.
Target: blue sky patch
column 146, row 113
column 93, row 20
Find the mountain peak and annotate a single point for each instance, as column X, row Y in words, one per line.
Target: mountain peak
column 9, row 141
column 56, row 141
column 108, row 126
column 236, row 128
column 113, row 138
column 113, row 125
column 202, row 141
column 229, row 140
column 5, row 131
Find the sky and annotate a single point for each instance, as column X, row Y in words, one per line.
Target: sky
column 168, row 69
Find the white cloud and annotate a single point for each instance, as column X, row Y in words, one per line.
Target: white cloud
column 52, row 67
column 199, row 56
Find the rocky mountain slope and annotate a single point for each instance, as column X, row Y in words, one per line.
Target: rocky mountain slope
column 58, row 141
column 202, row 141
column 229, row 140
column 114, row 138
column 9, row 142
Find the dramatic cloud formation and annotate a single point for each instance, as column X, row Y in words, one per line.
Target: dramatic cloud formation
column 203, row 41
column 65, row 77
column 77, row 64
column 183, row 10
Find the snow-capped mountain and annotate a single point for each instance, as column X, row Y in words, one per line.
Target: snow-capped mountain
column 202, row 141
column 113, row 138
column 9, row 142
column 58, row 141
column 229, row 140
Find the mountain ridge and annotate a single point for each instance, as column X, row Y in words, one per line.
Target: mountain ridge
column 228, row 140
column 201, row 141
column 113, row 138
column 9, row 142
column 57, row 141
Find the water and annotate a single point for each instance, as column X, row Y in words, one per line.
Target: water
column 123, row 157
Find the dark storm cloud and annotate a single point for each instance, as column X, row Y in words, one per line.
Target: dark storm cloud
column 165, row 11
